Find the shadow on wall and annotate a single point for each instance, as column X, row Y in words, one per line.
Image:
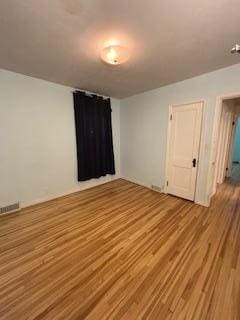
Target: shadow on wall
column 235, row 172
column 236, row 147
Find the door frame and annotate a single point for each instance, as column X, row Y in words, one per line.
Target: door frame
column 223, row 146
column 201, row 145
column 211, row 186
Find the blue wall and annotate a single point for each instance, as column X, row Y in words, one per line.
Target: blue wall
column 236, row 147
column 144, row 127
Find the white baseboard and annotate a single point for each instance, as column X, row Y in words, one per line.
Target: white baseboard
column 59, row 195
column 143, row 184
column 80, row 188
column 202, row 203
column 137, row 182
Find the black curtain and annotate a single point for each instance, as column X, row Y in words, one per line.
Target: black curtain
column 93, row 135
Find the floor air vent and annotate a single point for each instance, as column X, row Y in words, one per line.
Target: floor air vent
column 9, row 209
column 156, row 188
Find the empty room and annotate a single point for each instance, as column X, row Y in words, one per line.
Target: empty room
column 119, row 160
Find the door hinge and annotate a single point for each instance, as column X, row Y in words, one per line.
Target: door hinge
column 171, row 117
column 233, row 123
column 226, row 169
column 167, row 183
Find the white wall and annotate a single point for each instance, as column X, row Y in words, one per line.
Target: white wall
column 144, row 122
column 37, row 140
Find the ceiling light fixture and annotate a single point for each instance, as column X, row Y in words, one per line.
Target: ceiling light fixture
column 115, row 54
column 236, row 49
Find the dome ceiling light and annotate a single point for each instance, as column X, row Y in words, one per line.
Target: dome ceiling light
column 115, row 54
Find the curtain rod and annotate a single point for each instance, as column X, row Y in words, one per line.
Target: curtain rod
column 90, row 94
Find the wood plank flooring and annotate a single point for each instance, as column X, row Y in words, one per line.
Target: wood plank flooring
column 121, row 251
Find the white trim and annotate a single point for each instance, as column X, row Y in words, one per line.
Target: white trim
column 201, row 203
column 137, row 182
column 212, row 161
column 227, row 127
column 216, row 126
column 145, row 185
column 63, row 194
column 165, row 187
column 46, row 199
column 201, row 144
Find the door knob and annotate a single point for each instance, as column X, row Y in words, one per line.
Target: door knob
column 194, row 162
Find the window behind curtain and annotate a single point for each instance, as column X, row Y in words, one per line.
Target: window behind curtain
column 93, row 136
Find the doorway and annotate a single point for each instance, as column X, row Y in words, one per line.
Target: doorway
column 227, row 143
column 183, row 149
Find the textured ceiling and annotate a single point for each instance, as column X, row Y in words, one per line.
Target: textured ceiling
column 169, row 40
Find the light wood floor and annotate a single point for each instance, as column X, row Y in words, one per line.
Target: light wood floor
column 121, row 251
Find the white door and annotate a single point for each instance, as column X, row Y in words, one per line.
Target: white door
column 184, row 141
